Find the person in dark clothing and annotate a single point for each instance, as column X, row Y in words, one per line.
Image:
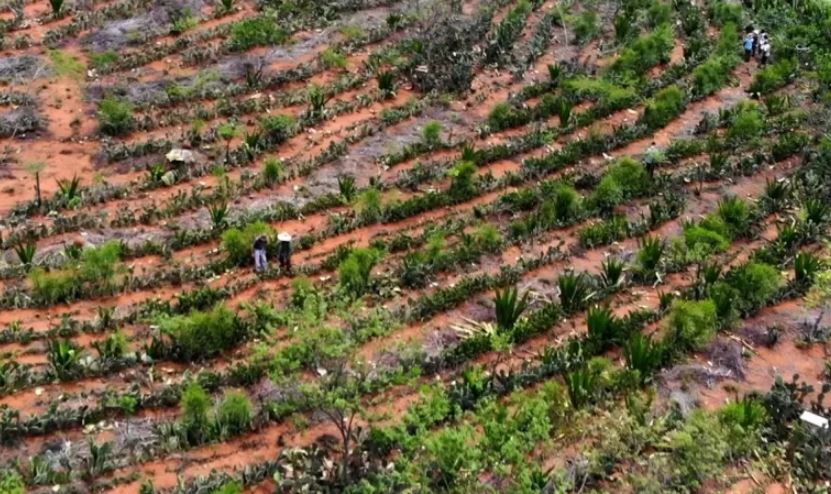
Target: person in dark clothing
column 284, row 251
column 260, row 260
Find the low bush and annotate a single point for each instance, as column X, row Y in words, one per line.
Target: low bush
column 747, row 122
column 239, row 244
column 234, row 414
column 736, row 215
column 724, row 12
column 586, row 26
column 202, row 334
column 195, row 404
column 712, row 75
column 691, row 325
column 644, row 53
column 257, row 31
column 97, row 272
column 463, row 179
column 667, row 104
column 354, row 271
column 756, row 283
column 11, row 482
column 115, row 117
column 703, row 241
column 774, row 76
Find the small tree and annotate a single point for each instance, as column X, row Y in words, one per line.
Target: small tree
column 228, row 131
column 34, row 168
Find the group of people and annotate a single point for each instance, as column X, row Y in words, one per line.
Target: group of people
column 283, row 252
column 756, row 45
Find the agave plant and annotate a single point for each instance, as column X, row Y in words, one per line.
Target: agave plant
column 386, row 83
column 815, row 210
column 227, row 5
column 649, row 256
column 582, row 386
column 777, row 193
column 736, row 214
column 57, row 6
column 219, row 215
column 69, row 189
column 98, row 460
column 604, row 329
column 575, row 291
column 347, row 188
column 564, row 112
column 26, row 253
column 643, row 355
column 64, row 359
column 554, row 73
column 612, row 273
column 155, row 173
column 806, row 267
column 106, row 318
column 251, row 143
column 509, row 307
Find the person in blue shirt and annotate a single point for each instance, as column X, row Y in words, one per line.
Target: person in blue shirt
column 748, row 46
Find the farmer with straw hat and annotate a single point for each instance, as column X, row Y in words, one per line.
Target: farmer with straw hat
column 284, row 251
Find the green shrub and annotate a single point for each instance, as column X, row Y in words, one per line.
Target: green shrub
column 747, row 122
column 774, row 76
column 452, row 462
column 724, row 12
column 54, row 286
column 195, row 404
column 115, row 117
column 691, row 325
column 104, row 60
column 463, row 175
column 354, row 271
column 608, row 94
column 736, row 215
column 667, row 104
column 11, row 482
column 257, row 31
column 712, row 75
column 756, row 283
column 333, row 59
column 272, row 171
column 586, row 26
column 95, row 273
column 277, row 128
column 234, row 415
column 724, row 298
column 607, row 195
column 239, row 244
column 431, row 133
column 644, row 53
column 199, row 335
column 505, row 116
column 232, row 487
column 703, row 240
column 566, row 200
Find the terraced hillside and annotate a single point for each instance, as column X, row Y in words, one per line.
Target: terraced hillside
column 538, row 246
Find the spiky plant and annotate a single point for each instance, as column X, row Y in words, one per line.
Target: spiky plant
column 57, row 6
column 509, row 306
column 155, row 173
column 64, row 359
column 98, row 460
column 649, row 256
column 643, row 355
column 386, row 83
column 219, row 215
column 582, row 386
column 612, row 273
column 317, row 100
column 806, row 266
column 554, row 73
column 227, row 5
column 574, row 291
column 777, row 193
column 272, row 171
column 347, row 187
column 69, row 189
column 26, row 253
column 603, row 328
column 736, row 215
